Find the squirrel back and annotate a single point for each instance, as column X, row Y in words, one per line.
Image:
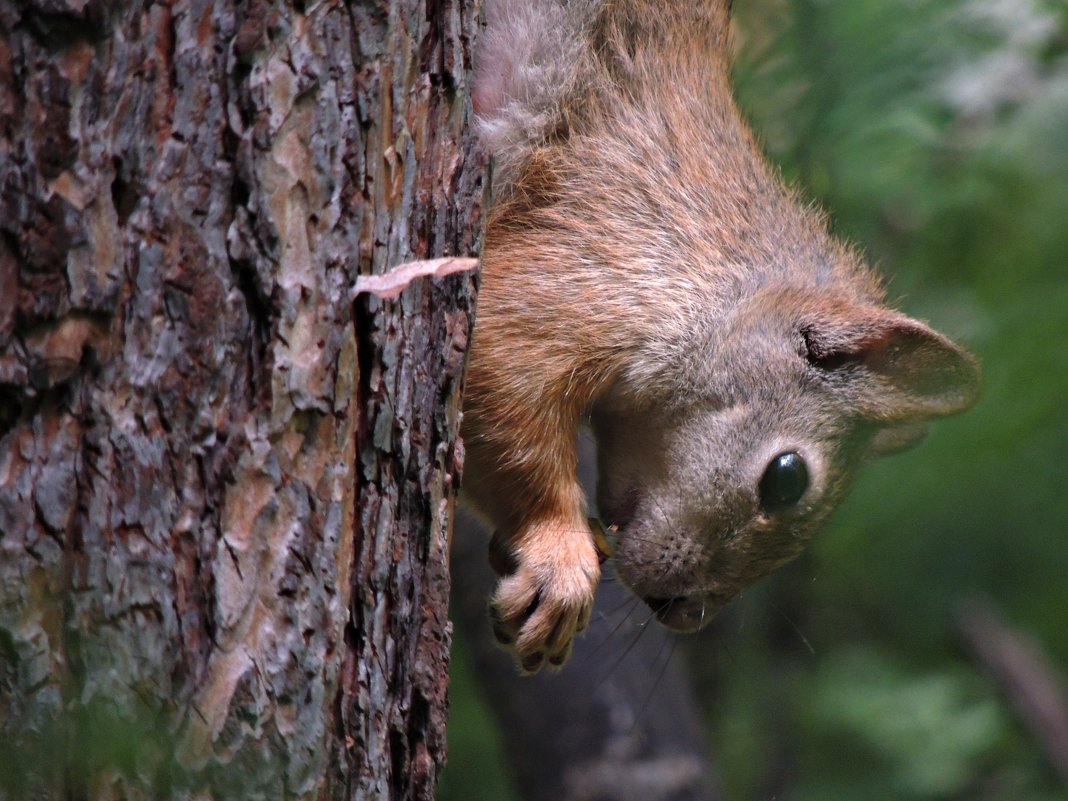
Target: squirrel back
column 546, row 67
column 645, row 268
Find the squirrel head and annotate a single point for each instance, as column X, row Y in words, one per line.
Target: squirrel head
column 748, row 443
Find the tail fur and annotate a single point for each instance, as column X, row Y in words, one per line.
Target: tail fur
column 527, row 64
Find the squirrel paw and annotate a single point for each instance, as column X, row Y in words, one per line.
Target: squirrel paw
column 547, row 595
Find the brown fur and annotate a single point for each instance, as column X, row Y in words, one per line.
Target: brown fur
column 644, row 266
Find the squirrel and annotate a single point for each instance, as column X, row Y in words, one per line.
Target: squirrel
column 647, row 272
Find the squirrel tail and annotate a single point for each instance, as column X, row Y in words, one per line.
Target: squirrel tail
column 527, row 64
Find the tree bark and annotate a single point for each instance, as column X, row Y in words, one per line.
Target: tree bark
column 224, row 487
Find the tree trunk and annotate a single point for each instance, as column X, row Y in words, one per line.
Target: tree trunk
column 225, row 488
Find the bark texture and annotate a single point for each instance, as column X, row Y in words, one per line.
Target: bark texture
column 208, row 455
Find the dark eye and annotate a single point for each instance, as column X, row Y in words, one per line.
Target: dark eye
column 784, row 482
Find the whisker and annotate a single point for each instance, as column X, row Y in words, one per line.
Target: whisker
column 656, row 682
column 626, row 618
column 631, row 601
column 651, row 615
column 795, row 627
column 730, row 654
column 621, row 657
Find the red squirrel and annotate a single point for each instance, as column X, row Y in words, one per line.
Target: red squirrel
column 646, row 271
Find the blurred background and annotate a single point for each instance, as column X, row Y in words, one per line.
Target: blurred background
column 935, row 132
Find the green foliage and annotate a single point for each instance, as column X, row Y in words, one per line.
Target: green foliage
column 935, row 132
column 925, row 733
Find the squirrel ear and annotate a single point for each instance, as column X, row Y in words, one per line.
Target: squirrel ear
column 892, row 368
column 895, row 439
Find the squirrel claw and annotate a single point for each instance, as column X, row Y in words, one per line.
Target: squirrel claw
column 540, row 607
column 532, row 663
column 503, row 635
column 559, row 659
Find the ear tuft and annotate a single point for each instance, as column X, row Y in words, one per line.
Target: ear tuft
column 893, row 368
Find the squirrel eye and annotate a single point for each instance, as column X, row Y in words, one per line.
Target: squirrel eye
column 784, row 482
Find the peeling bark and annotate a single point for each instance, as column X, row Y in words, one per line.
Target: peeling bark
column 225, row 487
